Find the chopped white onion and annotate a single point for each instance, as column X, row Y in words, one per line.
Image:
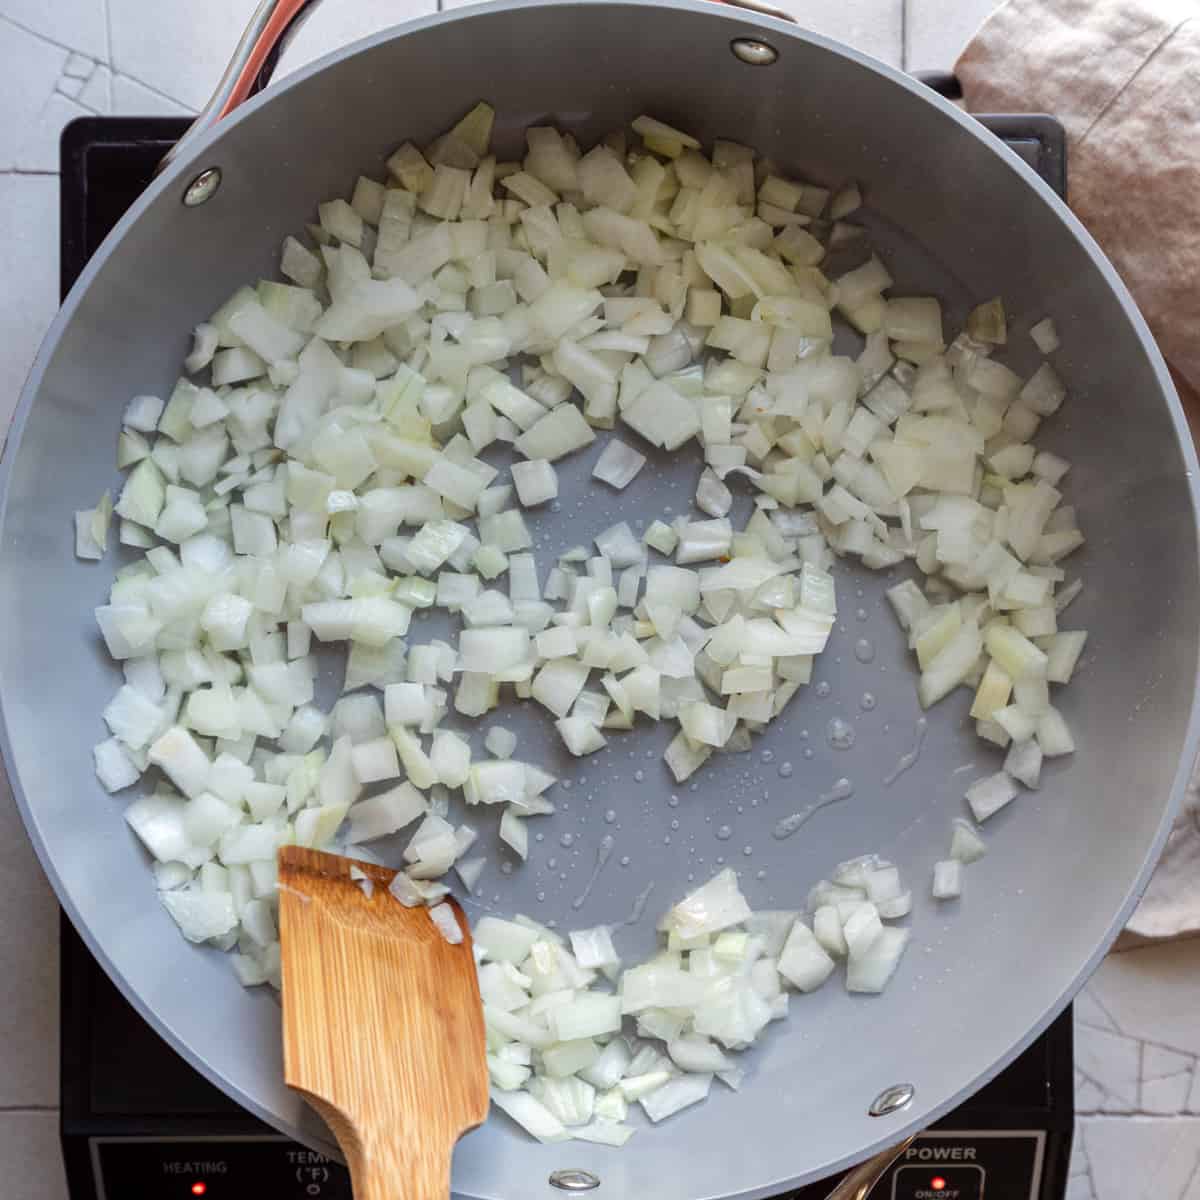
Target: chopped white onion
column 716, row 905
column 803, row 961
column 871, row 971
column 987, row 796
column 594, row 947
column 947, row 879
column 533, row 1117
column 1045, row 335
column 965, row 843
column 446, row 920
column 315, row 489
column 618, row 464
column 678, row 1094
column 536, row 482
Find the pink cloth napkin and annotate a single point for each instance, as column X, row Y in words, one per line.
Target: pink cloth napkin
column 1123, row 76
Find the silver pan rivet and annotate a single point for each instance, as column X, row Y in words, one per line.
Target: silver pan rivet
column 572, row 1179
column 753, row 52
column 892, row 1099
column 203, row 187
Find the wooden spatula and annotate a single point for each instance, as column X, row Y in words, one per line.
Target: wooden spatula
column 382, row 1024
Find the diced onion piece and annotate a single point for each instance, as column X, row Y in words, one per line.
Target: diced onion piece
column 804, row 962
column 604, row 1132
column 661, row 134
column 114, row 768
column 1024, row 762
column 870, row 972
column 716, row 905
column 469, row 870
column 536, row 482
column 1063, row 652
column 679, row 1094
column 1044, row 392
column 200, row 915
column 1045, row 335
column 1053, row 735
column 618, row 464
column 896, row 906
column 684, row 758
column 594, row 947
column 861, row 929
column 918, row 319
column 965, row 843
column 558, row 683
column 1019, row 657
column 446, row 920
column 533, row 1117
column 503, row 941
column 827, row 929
column 493, row 651
column 514, row 832
column 589, row 1015
column 947, row 879
column 986, row 322
column 580, row 736
column 712, row 496
column 952, row 665
column 385, row 814
column 556, row 434
column 500, row 742
column 636, row 1086
column 987, row 796
column 619, row 546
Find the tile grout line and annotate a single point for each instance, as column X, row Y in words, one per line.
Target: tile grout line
column 113, row 72
column 18, row 1110
column 1173, row 1048
column 26, row 171
column 7, row 20
column 1187, row 1189
column 1116, row 1028
column 158, row 92
column 1087, row 1158
column 904, row 35
column 1149, row 1118
column 108, row 50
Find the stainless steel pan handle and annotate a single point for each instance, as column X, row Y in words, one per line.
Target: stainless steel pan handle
column 250, row 66
column 858, row 1182
column 258, row 50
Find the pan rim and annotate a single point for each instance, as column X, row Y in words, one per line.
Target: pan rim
column 739, row 21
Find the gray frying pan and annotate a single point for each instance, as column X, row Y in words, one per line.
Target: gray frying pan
column 953, row 212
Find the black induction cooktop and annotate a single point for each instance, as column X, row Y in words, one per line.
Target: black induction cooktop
column 138, row 1123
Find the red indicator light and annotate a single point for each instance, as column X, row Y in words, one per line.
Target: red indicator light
column 937, row 1183
column 199, row 1187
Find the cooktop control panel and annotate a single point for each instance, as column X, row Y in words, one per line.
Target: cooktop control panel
column 967, row 1164
column 941, row 1165
column 961, row 1164
column 215, row 1168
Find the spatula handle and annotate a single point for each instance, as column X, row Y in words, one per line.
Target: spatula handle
column 418, row 1171
column 390, row 1164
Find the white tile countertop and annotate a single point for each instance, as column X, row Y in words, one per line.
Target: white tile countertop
column 1137, row 1024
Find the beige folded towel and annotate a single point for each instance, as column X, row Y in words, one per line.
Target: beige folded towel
column 1123, row 76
